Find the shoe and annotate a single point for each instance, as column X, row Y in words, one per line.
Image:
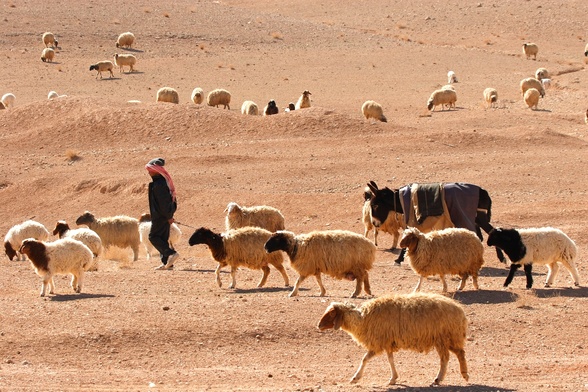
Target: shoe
column 172, row 259
column 161, row 267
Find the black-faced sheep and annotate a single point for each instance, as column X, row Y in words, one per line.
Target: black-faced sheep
column 337, row 253
column 63, row 256
column 530, row 49
column 542, row 246
column 270, row 108
column 219, row 96
column 266, row 217
column 418, row 322
column 103, row 66
column 49, row 40
column 303, row 101
column 18, row 233
column 167, row 94
column 175, row 234
column 125, row 40
column 393, row 225
column 372, row 109
column 240, row 248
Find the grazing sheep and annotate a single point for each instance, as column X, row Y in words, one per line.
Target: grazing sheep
column 8, row 100
column 61, row 257
column 303, row 101
column 250, row 108
column 532, row 98
column 47, row 55
column 88, row 237
column 337, row 253
column 167, row 94
column 121, row 231
column 530, row 49
column 125, row 59
column 291, row 107
column 541, row 73
column 125, row 40
column 490, row 96
column 18, row 233
column 372, row 109
column 393, row 225
column 442, row 97
column 266, row 217
column 528, row 83
column 49, row 39
column 197, row 96
column 451, row 77
column 219, row 96
column 451, row 251
column 546, row 83
column 240, row 248
column 175, row 234
column 270, row 108
column 103, row 66
column 542, row 246
column 418, row 322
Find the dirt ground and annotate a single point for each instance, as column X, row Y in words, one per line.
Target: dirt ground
column 136, row 329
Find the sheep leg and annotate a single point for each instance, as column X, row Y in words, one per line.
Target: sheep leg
column 233, row 277
column 511, row 273
column 46, row 281
column 444, row 357
column 217, row 275
column 463, row 366
column 282, row 271
column 135, row 252
column 462, row 283
column 571, row 267
column 369, row 355
column 528, row 269
column 551, row 272
column 366, row 285
column 294, row 292
column 375, row 236
column 51, row 286
column 75, row 282
column 266, row 271
column 393, row 368
column 475, row 281
column 320, row 283
column 442, row 277
column 80, row 280
column 418, row 286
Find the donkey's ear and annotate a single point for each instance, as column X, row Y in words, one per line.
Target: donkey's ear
column 373, row 186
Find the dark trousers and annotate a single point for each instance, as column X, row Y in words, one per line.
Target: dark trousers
column 159, row 237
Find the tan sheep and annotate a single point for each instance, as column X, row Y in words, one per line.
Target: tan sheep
column 442, row 97
column 250, row 108
column 219, row 96
column 49, row 40
column 528, row 83
column 125, row 40
column 266, row 217
column 303, row 101
column 417, row 322
column 451, row 251
column 103, row 66
column 530, row 49
column 393, row 225
column 47, row 55
column 167, row 94
column 490, row 96
column 372, row 109
column 125, row 59
column 197, row 96
column 337, row 253
column 532, row 98
column 8, row 100
column 541, row 73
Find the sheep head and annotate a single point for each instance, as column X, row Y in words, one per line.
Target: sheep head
column 281, row 240
column 145, row 218
column 204, row 236
column 509, row 240
column 332, row 318
column 86, row 218
column 60, row 228
column 36, row 252
column 10, row 252
column 232, row 207
column 410, row 239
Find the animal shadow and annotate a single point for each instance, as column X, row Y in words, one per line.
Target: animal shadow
column 485, row 297
column 447, row 388
column 570, row 292
column 75, row 297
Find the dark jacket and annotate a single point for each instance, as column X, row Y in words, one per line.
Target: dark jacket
column 161, row 205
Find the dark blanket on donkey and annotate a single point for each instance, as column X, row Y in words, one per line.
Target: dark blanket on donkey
column 430, row 201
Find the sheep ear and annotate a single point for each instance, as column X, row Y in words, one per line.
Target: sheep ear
column 331, row 319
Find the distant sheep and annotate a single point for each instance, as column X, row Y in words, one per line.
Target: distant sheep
column 103, row 66
column 125, row 40
column 490, row 96
column 530, row 49
column 451, row 77
column 393, row 225
column 167, row 94
column 546, row 83
column 88, row 237
column 528, row 83
column 47, row 55
column 197, row 96
column 49, row 40
column 270, row 108
column 54, row 95
column 303, row 101
column 125, row 59
column 175, row 234
column 541, row 73
column 120, row 231
column 8, row 100
column 442, row 97
column 240, row 248
column 337, row 253
column 291, row 107
column 266, row 217
column 532, row 98
column 250, row 108
column 451, row 251
column 372, row 109
column 219, row 96
column 18, row 233
column 536, row 246
column 417, row 322
column 60, row 257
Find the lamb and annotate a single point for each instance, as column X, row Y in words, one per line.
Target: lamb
column 270, row 108
column 167, row 94
column 303, row 101
column 49, row 39
column 53, row 95
column 444, row 252
column 121, row 231
column 18, row 233
column 145, row 227
column 8, row 100
column 242, row 247
column 61, row 257
column 393, row 225
column 451, row 77
column 86, row 236
column 542, row 246
column 546, row 83
column 442, row 97
column 125, row 59
column 250, row 108
column 219, row 96
column 125, row 40
column 530, row 49
column 47, row 55
column 528, row 83
column 103, row 66
column 338, row 253
column 417, row 322
column 291, row 107
column 372, row 109
column 266, row 217
column 197, row 96
column 490, row 96
column 541, row 73
column 532, row 98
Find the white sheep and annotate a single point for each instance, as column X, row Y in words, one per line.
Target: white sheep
column 125, row 59
column 175, row 234
column 541, row 73
column 250, row 108
column 532, row 98
column 47, row 55
column 120, row 231
column 87, row 236
column 546, row 83
column 18, row 233
column 8, row 100
column 303, row 101
column 452, row 251
column 530, row 49
column 103, row 66
column 125, row 40
column 451, row 77
column 197, row 96
column 271, row 108
column 490, row 96
column 266, row 217
column 52, row 95
column 338, row 253
column 219, row 96
column 167, row 94
column 49, row 40
column 417, row 322
column 372, row 109
column 63, row 256
column 393, row 225
column 442, row 97
column 243, row 247
column 536, row 246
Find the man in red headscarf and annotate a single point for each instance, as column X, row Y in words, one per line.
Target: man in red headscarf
column 162, row 206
